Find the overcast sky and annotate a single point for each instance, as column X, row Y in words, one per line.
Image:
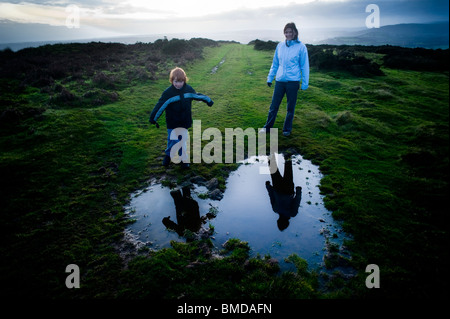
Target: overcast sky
column 33, row 20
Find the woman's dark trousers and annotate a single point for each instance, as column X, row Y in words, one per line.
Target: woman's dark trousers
column 290, row 89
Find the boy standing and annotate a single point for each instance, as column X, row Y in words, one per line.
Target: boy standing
column 176, row 100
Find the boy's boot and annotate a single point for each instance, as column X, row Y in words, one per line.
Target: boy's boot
column 166, row 160
column 184, row 165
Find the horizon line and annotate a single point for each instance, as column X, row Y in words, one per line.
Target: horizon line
column 183, row 35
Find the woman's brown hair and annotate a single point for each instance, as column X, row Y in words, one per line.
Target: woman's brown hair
column 291, row 25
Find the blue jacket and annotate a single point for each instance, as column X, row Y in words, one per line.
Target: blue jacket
column 290, row 63
column 178, row 105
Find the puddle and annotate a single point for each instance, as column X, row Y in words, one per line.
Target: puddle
column 249, row 210
column 214, row 69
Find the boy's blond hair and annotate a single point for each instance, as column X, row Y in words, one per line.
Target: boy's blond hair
column 178, row 74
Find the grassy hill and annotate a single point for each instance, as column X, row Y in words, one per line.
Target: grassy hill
column 412, row 35
column 75, row 142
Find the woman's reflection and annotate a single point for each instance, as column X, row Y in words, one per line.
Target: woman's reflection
column 285, row 201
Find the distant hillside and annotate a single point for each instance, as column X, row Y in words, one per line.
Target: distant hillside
column 430, row 36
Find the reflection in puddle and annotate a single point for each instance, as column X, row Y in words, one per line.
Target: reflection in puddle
column 276, row 214
column 187, row 211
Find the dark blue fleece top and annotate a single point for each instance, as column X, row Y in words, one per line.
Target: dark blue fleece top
column 178, row 104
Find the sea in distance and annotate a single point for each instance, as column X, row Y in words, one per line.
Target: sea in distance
column 430, row 36
column 244, row 37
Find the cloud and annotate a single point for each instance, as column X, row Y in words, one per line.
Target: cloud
column 131, row 17
column 344, row 13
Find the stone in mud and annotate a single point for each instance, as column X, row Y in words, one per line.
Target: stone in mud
column 212, row 184
column 216, row 194
column 199, row 180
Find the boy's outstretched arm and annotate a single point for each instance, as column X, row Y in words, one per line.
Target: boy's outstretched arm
column 159, row 108
column 155, row 110
column 152, row 121
column 200, row 97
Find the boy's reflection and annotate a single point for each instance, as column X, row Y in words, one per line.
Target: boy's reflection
column 188, row 213
column 285, row 201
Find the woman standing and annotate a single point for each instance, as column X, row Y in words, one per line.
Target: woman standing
column 290, row 66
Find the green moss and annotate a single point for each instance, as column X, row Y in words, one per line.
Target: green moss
column 68, row 169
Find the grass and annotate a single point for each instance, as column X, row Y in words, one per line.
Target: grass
column 381, row 142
